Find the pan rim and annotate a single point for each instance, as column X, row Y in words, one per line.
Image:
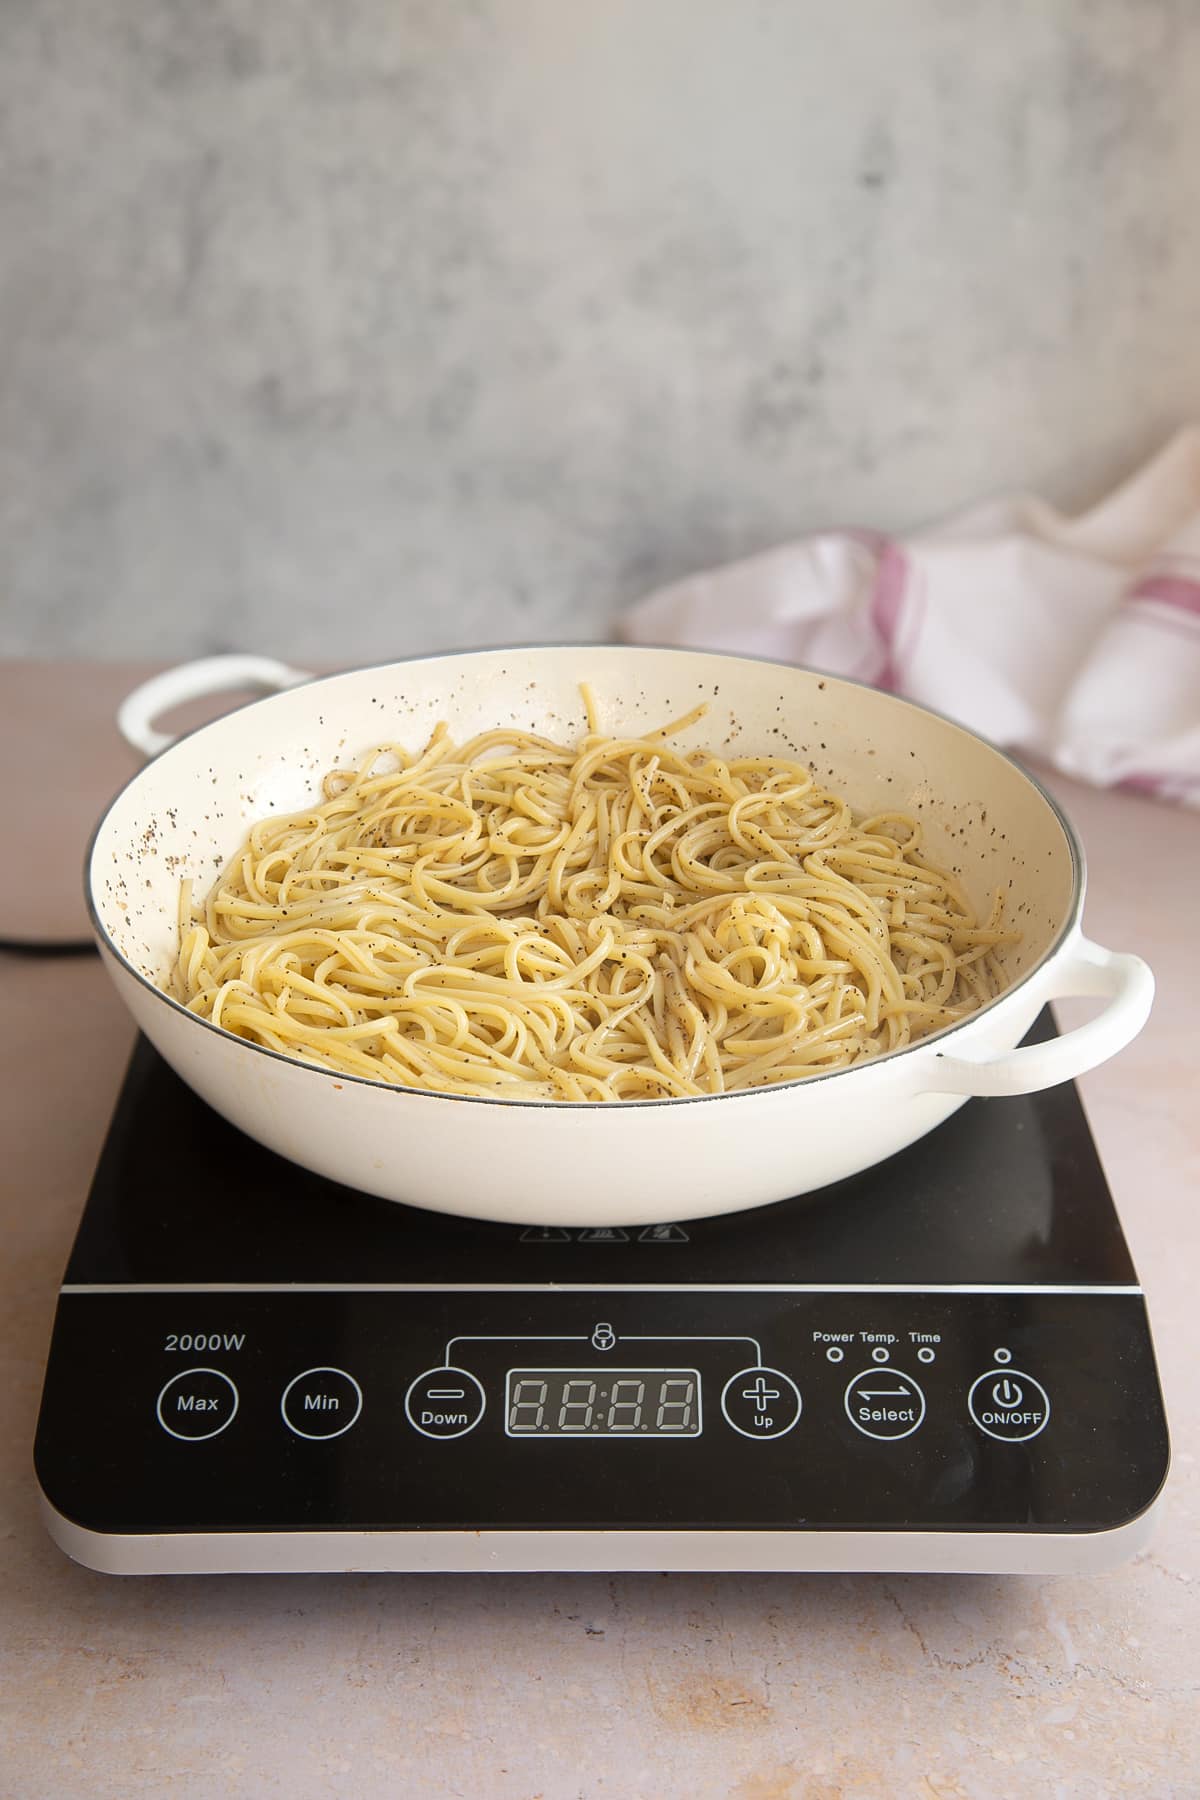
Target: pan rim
column 889, row 1058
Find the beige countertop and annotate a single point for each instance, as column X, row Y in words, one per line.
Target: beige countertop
column 570, row 1687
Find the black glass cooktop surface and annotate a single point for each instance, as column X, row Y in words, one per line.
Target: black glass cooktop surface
column 1008, row 1191
column 950, row 1343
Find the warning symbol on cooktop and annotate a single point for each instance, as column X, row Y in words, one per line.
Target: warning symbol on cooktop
column 604, row 1234
column 545, row 1234
column 663, row 1234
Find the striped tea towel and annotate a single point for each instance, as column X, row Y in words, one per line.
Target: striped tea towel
column 1074, row 640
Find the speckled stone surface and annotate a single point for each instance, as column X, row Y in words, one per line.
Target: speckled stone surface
column 561, row 1687
column 417, row 325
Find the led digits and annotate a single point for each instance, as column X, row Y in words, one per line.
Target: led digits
column 634, row 1403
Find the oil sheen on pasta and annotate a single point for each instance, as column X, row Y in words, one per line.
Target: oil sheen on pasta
column 617, row 920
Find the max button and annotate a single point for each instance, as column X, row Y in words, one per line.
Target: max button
column 321, row 1403
column 444, row 1403
column 197, row 1404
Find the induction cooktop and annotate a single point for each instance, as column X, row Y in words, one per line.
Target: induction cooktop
column 942, row 1363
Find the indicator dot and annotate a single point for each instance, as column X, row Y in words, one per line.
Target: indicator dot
column 1002, row 1356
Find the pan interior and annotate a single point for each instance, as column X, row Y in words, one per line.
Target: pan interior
column 188, row 811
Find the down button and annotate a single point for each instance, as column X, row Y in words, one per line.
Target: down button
column 321, row 1403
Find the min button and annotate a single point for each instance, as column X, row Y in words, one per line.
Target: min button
column 197, row 1404
column 321, row 1403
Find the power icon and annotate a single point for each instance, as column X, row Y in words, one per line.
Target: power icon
column 1009, row 1405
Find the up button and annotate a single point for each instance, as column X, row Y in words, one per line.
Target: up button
column 761, row 1403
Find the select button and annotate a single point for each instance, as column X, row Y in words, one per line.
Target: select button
column 321, row 1403
column 197, row 1404
column 884, row 1403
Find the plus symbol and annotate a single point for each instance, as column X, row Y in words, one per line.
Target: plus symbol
column 760, row 1393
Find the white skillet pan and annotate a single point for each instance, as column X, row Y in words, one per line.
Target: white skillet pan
column 560, row 1163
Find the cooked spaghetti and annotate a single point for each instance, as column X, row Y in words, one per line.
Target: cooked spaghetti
column 622, row 920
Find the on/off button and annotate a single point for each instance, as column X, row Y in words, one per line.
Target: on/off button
column 1009, row 1405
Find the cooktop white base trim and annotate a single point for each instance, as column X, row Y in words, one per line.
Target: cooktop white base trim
column 944, row 1552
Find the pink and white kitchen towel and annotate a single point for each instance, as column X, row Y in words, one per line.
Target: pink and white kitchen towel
column 1076, row 641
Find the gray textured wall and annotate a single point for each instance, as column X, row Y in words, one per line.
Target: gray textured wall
column 347, row 330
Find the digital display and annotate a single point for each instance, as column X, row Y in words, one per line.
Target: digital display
column 602, row 1403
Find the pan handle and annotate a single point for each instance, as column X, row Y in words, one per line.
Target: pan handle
column 192, row 681
column 1086, row 968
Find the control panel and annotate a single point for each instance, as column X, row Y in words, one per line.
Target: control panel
column 275, row 1409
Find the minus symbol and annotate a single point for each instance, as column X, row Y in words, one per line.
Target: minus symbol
column 446, row 1394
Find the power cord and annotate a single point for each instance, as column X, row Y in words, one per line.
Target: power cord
column 47, row 946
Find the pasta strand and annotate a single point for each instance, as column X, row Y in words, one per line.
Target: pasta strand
column 624, row 920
